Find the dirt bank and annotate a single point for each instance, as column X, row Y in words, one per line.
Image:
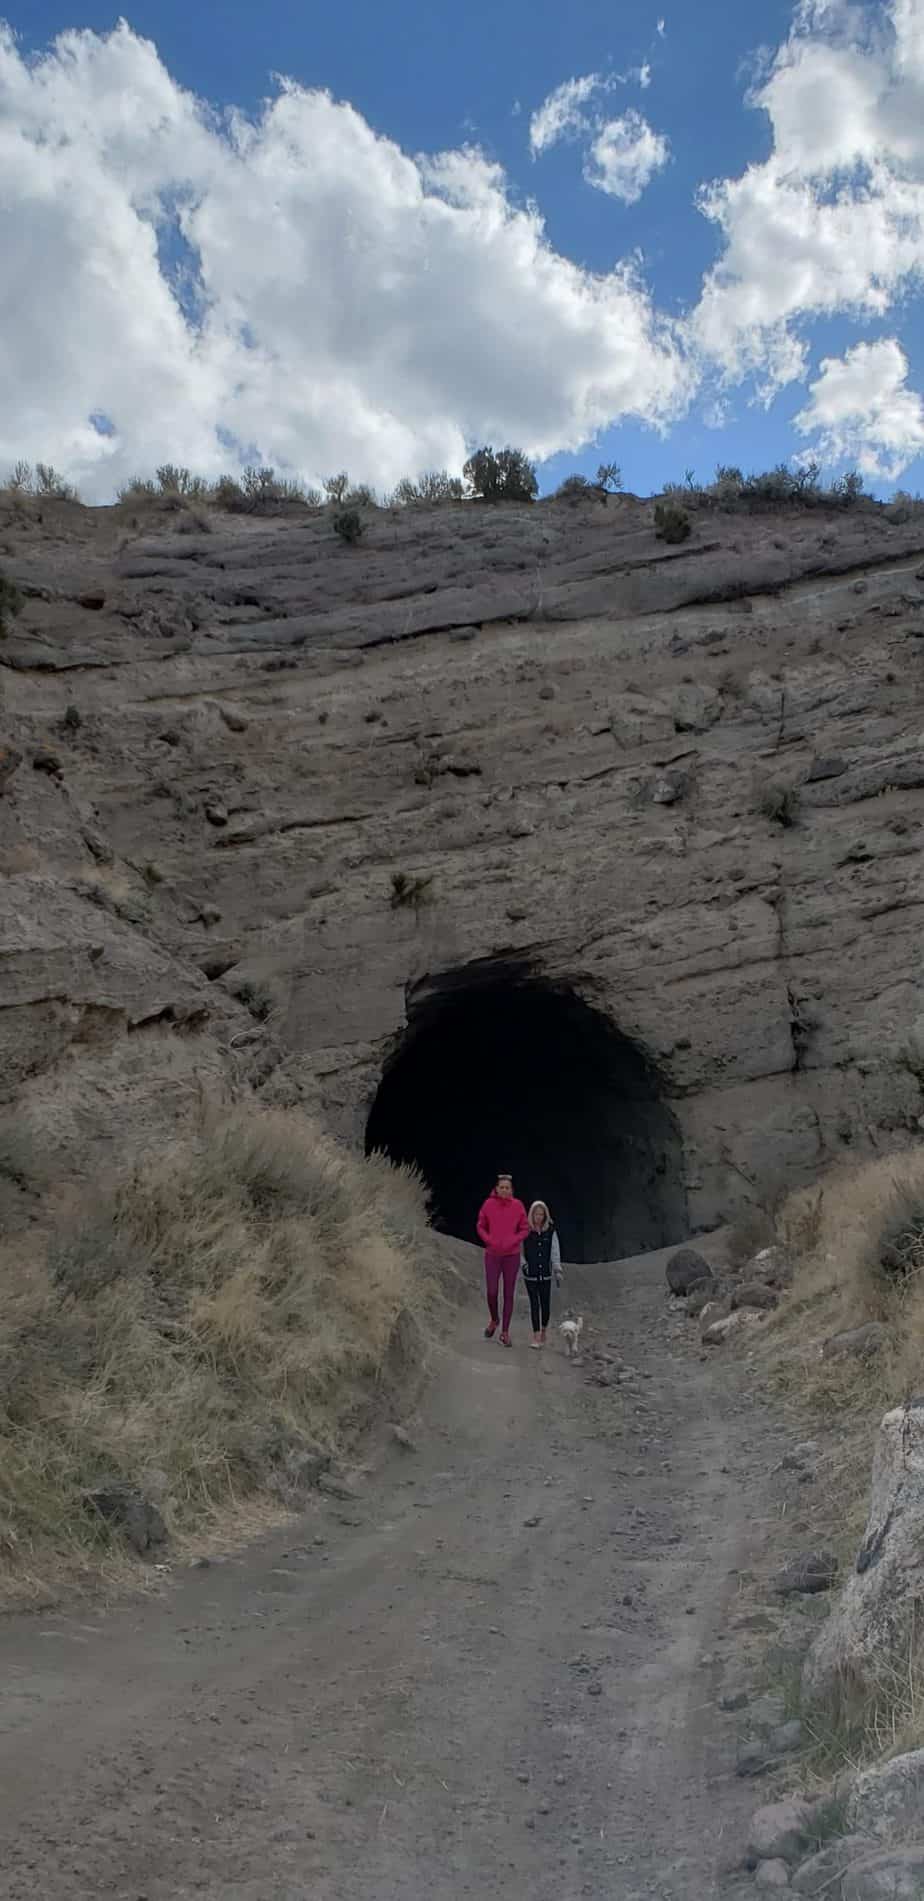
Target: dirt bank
column 495, row 1670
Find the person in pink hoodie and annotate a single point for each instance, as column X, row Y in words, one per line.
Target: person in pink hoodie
column 502, row 1229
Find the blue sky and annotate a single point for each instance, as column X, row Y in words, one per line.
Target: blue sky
column 700, row 378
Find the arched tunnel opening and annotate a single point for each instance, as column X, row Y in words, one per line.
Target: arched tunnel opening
column 501, row 1070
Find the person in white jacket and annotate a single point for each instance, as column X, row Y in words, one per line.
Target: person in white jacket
column 541, row 1260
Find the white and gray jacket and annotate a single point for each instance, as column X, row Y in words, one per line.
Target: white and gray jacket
column 541, row 1256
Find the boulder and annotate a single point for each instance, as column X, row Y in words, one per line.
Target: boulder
column 686, row 1269
column 754, row 1759
column 804, row 1576
column 821, row 1874
column 858, row 1343
column 755, row 1294
column 713, row 1311
column 887, row 1801
column 876, row 1622
column 772, row 1874
column 782, row 1831
column 898, row 1876
column 127, row 1509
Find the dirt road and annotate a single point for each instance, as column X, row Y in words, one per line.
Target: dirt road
column 494, row 1673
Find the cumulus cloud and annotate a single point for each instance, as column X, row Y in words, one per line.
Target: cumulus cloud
column 833, row 220
column 292, row 288
column 862, row 411
column 563, row 114
column 624, row 157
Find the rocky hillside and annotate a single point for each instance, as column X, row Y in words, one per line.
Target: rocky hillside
column 604, row 851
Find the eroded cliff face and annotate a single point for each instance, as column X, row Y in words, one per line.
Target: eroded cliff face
column 606, row 854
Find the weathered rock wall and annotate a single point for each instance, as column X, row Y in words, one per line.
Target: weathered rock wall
column 575, row 733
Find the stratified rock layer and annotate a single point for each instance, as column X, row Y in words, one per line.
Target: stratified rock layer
column 256, row 730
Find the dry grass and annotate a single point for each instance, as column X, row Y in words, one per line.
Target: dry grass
column 226, row 1308
column 858, row 1242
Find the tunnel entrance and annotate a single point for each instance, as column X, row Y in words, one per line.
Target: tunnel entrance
column 499, row 1069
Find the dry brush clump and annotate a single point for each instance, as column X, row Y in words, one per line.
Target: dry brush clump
column 41, row 483
column 788, row 487
column 224, row 1314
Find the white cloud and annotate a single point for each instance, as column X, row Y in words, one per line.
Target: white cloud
column 861, row 410
column 562, row 115
column 662, row 29
column 833, row 220
column 644, row 76
column 624, row 157
column 346, row 306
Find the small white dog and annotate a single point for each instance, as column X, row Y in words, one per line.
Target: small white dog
column 571, row 1330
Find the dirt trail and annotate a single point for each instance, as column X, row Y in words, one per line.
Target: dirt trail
column 423, row 1693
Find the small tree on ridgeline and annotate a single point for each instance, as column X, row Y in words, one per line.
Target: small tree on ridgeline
column 502, row 475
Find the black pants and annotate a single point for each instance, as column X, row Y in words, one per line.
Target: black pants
column 540, row 1301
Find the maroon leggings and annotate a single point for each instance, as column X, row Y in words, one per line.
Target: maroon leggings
column 499, row 1267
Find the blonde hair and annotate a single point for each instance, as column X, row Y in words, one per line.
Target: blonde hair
column 546, row 1210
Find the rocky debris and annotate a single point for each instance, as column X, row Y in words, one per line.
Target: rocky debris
column 686, row 1270
column 859, row 1343
column 874, row 1624
column 756, row 1295
column 829, row 766
column 701, row 1297
column 782, row 1831
column 821, row 1874
column 44, row 760
column 216, row 813
column 126, row 1508
column 669, row 788
column 897, row 1876
column 811, row 1572
column 93, row 599
column 695, row 708
column 10, row 762
column 887, row 1801
column 717, row 1332
column 760, row 1754
column 772, row 1266
column 771, row 1874
column 235, row 722
column 403, row 1438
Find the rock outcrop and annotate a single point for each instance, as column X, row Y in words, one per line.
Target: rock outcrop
column 873, row 1630
column 313, row 806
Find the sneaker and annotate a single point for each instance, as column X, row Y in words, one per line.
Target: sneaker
column 490, row 1330
column 536, row 1342
column 505, row 1340
column 542, row 1337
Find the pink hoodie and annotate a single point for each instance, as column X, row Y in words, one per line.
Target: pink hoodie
column 502, row 1224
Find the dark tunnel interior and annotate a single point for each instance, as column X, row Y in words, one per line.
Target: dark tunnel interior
column 503, row 1071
